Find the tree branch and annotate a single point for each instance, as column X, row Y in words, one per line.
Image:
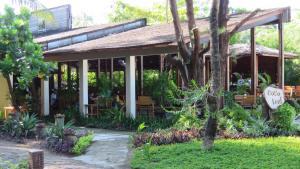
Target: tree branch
column 242, row 22
column 183, row 49
column 175, row 61
column 206, row 49
column 190, row 15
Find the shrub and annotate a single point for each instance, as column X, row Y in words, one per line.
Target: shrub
column 235, row 118
column 28, row 123
column 283, row 117
column 23, row 164
column 82, row 144
column 187, row 121
column 22, row 127
column 168, row 136
column 1, row 115
column 12, row 127
column 59, row 131
column 257, row 129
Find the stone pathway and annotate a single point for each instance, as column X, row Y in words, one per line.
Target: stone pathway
column 110, row 150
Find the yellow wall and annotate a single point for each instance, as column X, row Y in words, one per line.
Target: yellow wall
column 4, row 93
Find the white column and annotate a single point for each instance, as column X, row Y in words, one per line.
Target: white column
column 83, row 87
column 11, row 78
column 130, row 86
column 45, row 97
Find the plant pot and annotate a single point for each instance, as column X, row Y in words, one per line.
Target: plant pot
column 60, row 120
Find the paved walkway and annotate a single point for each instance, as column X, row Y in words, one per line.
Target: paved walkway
column 109, row 151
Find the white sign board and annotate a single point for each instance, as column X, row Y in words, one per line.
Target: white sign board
column 274, row 97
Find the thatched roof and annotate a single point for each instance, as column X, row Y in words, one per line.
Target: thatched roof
column 155, row 39
column 242, row 50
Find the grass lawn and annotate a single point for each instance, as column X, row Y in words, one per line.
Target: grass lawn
column 261, row 153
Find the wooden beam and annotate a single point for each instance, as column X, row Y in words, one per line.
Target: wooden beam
column 69, row 74
column 111, row 68
column 141, row 75
column 99, row 67
column 59, row 79
column 161, row 63
column 280, row 66
column 254, row 65
column 98, row 73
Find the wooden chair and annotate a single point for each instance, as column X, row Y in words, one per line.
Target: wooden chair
column 246, row 101
column 93, row 110
column 297, row 92
column 288, row 91
column 145, row 103
column 8, row 110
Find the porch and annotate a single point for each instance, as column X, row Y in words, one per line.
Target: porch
column 146, row 42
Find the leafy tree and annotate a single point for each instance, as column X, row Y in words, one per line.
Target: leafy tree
column 82, row 20
column 159, row 13
column 19, row 54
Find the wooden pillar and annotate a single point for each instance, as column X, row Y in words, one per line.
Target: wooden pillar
column 99, row 67
column 141, row 75
column 254, row 65
column 130, row 86
column 111, row 68
column 77, row 76
column 161, row 63
column 280, row 66
column 106, row 67
column 69, row 75
column 83, row 87
column 59, row 79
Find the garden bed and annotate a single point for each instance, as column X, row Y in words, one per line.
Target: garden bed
column 277, row 152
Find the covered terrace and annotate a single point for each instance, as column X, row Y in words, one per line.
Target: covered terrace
column 155, row 40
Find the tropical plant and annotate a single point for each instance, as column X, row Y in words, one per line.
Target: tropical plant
column 12, row 126
column 58, row 130
column 28, row 123
column 1, row 116
column 283, row 118
column 82, row 144
column 187, row 121
column 161, row 88
column 264, row 80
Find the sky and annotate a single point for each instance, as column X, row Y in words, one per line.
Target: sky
column 99, row 9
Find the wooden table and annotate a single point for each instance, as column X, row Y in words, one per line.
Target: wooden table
column 7, row 111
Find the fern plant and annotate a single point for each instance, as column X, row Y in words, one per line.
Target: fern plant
column 187, row 103
column 264, row 80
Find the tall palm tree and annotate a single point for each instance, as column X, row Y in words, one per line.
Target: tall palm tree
column 37, row 7
column 33, row 4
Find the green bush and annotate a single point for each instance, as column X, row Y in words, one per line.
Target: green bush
column 235, row 118
column 82, row 144
column 22, row 127
column 28, row 123
column 283, row 117
column 1, row 115
column 12, row 127
column 58, row 130
column 10, row 165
